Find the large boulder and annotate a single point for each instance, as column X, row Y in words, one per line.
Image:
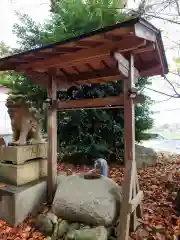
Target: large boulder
column 145, row 156
column 90, row 201
column 167, row 157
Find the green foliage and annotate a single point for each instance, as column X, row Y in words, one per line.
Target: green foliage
column 4, row 49
column 84, row 133
column 177, row 62
column 72, row 18
column 100, row 132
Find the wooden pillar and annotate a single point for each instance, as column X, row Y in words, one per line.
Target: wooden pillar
column 129, row 150
column 129, row 118
column 52, row 141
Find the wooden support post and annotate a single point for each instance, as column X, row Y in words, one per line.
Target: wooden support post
column 52, row 141
column 129, row 198
column 139, row 210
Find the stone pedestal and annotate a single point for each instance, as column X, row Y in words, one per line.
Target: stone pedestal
column 21, row 154
column 16, row 203
column 24, row 167
column 24, row 173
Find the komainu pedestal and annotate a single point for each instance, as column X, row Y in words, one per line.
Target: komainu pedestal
column 21, row 154
column 27, row 172
column 22, row 189
column 17, row 202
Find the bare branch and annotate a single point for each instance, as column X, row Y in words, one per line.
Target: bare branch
column 165, row 94
column 177, row 74
column 177, row 43
column 165, row 100
column 162, row 18
column 177, row 5
column 171, row 84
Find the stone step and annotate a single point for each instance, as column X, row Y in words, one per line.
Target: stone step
column 16, row 203
column 25, row 173
column 21, row 154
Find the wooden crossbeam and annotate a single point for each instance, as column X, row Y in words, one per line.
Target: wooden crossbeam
column 91, row 103
column 97, row 103
column 144, row 49
column 102, row 80
column 93, row 74
column 123, row 65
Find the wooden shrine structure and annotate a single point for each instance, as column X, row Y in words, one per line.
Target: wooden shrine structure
column 124, row 51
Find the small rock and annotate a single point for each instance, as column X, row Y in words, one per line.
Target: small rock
column 70, row 235
column 142, row 233
column 51, row 216
column 60, row 220
column 62, row 228
column 73, row 226
column 109, row 230
column 145, row 156
column 174, row 194
column 45, row 223
column 82, row 225
column 86, row 227
column 48, row 238
column 98, row 233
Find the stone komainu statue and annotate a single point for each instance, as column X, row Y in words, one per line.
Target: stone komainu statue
column 25, row 121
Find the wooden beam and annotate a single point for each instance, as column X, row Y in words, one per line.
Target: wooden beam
column 90, row 43
column 144, row 32
column 52, row 141
column 139, row 210
column 123, row 65
column 97, row 103
column 70, row 45
column 93, row 74
column 84, row 55
column 133, row 218
column 91, row 103
column 121, row 31
column 101, row 80
column 135, row 201
column 151, row 71
column 64, row 49
column 160, row 59
column 144, row 49
column 63, row 82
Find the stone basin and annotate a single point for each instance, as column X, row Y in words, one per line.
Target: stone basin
column 90, row 176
